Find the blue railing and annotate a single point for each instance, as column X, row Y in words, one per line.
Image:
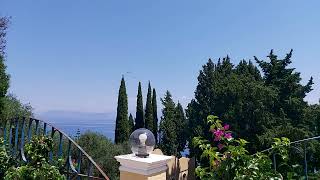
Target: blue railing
column 300, row 146
column 77, row 163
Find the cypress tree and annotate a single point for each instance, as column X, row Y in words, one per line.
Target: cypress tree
column 139, row 113
column 149, row 112
column 155, row 114
column 180, row 122
column 131, row 124
column 122, row 123
column 168, row 139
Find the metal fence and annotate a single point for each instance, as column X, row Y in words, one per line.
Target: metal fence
column 303, row 151
column 77, row 163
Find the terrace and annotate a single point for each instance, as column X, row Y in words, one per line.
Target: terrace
column 77, row 164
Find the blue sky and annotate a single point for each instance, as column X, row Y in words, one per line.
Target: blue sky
column 70, row 55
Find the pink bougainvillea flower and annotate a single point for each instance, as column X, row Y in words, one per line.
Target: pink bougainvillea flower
column 217, row 138
column 220, row 146
column 228, row 136
column 218, row 132
column 226, row 127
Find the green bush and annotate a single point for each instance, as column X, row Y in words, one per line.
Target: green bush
column 227, row 158
column 103, row 150
column 38, row 167
column 5, row 159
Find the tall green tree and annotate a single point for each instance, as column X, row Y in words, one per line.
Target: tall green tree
column 168, row 135
column 139, row 123
column 289, row 107
column 180, row 123
column 148, row 110
column 4, row 77
column 312, row 118
column 122, row 123
column 255, row 106
column 155, row 114
column 131, row 123
column 4, row 85
column 237, row 95
column 278, row 74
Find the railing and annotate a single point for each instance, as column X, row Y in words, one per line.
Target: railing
column 300, row 146
column 17, row 131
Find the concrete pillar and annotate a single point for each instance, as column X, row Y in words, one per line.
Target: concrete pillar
column 153, row 167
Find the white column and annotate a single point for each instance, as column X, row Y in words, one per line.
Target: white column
column 153, row 167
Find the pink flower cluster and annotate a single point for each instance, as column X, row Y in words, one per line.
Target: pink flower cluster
column 219, row 133
column 226, row 127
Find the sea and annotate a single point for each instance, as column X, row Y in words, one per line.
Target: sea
column 72, row 122
column 104, row 128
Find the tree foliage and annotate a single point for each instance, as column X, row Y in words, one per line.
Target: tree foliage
column 4, row 85
column 139, row 122
column 102, row 150
column 149, row 112
column 6, row 161
column 13, row 108
column 122, row 123
column 155, row 114
column 173, row 127
column 227, row 158
column 312, row 119
column 4, row 77
column 131, row 123
column 168, row 135
column 38, row 166
column 180, row 125
column 290, row 91
column 254, row 104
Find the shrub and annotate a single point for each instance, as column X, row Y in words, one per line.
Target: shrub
column 37, row 167
column 5, row 159
column 103, row 150
column 227, row 157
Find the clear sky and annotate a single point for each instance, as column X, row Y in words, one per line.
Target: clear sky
column 70, row 55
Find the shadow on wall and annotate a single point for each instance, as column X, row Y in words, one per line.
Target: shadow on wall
column 179, row 169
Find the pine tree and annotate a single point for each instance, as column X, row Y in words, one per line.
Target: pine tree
column 131, row 123
column 291, row 93
column 255, row 106
column 237, row 95
column 139, row 113
column 148, row 110
column 155, row 114
column 122, row 123
column 180, row 122
column 168, row 136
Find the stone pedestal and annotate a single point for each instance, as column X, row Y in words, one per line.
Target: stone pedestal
column 153, row 167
